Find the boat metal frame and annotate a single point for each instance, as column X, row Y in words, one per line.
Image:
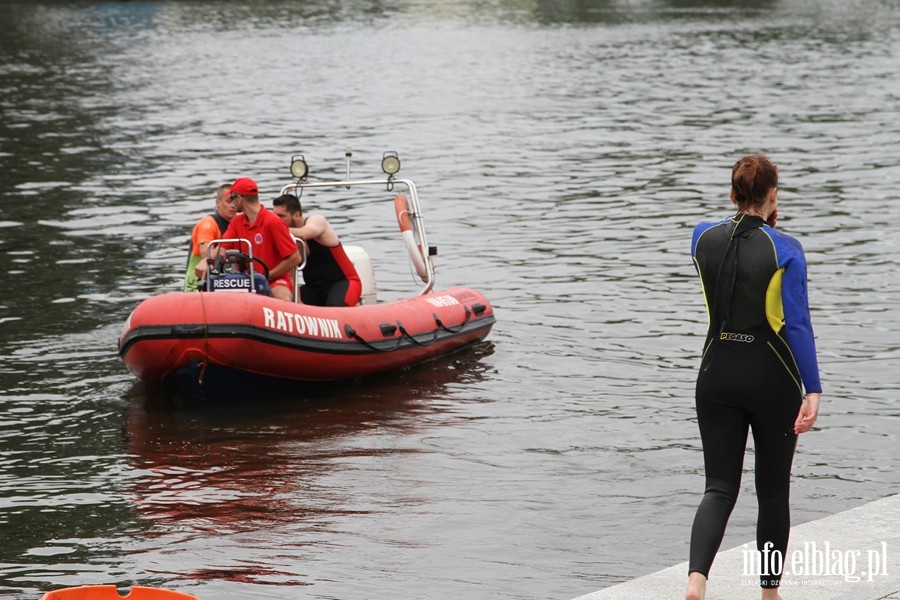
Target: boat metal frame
column 415, row 212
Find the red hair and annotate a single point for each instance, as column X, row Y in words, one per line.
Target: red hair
column 752, row 177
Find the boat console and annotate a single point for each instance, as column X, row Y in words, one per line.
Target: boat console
column 233, row 270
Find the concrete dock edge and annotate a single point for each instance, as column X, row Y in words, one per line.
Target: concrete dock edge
column 853, row 555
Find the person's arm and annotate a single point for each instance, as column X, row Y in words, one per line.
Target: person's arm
column 316, row 228
column 203, row 246
column 287, row 264
column 201, row 269
column 809, row 411
column 798, row 329
column 206, row 231
column 313, row 227
column 799, row 332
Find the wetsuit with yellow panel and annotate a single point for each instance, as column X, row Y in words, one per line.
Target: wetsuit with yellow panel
column 758, row 358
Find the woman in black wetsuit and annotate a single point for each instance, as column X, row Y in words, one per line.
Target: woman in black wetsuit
column 758, row 360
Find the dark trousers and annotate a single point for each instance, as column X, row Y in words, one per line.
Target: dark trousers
column 744, row 386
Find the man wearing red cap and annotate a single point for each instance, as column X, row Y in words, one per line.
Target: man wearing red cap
column 209, row 228
column 272, row 242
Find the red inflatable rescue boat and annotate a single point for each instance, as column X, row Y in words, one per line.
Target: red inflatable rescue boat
column 219, row 343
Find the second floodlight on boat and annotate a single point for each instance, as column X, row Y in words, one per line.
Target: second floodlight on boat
column 299, row 169
column 390, row 163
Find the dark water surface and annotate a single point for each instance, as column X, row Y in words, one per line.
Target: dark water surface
column 563, row 152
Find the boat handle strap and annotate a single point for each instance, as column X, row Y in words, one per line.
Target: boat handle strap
column 456, row 329
column 414, row 340
column 352, row 333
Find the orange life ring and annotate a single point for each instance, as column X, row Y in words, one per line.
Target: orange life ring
column 401, row 207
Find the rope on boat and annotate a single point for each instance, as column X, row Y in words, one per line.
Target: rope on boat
column 405, row 334
column 414, row 340
column 352, row 333
column 456, row 329
column 205, row 342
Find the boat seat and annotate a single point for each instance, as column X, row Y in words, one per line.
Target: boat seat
column 361, row 261
column 366, row 271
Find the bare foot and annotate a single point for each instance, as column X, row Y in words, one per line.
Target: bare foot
column 696, row 588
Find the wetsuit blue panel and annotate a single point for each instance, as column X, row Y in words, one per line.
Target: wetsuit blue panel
column 767, row 256
column 758, row 357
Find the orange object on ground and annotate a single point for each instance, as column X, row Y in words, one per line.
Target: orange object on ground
column 110, row 592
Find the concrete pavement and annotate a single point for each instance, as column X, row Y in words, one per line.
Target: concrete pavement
column 853, row 555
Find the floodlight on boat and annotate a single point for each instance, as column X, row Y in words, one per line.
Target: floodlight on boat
column 299, row 168
column 390, row 163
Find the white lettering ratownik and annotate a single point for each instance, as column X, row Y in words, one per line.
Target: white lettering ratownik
column 439, row 301
column 301, row 324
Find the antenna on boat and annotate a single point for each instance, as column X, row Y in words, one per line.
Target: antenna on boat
column 348, row 152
